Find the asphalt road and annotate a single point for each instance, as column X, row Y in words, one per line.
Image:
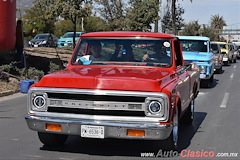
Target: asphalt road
column 215, row 130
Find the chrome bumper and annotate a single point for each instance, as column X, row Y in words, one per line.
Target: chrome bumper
column 111, row 129
column 217, row 66
column 205, row 76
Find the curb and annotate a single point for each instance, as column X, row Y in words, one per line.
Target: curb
column 7, row 93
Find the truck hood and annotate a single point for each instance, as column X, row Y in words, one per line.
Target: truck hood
column 197, row 56
column 134, row 79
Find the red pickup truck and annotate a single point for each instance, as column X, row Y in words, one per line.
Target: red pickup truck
column 126, row 85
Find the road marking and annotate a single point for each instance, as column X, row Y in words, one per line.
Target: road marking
column 224, row 101
column 231, row 77
column 202, row 94
column 15, row 139
column 234, row 66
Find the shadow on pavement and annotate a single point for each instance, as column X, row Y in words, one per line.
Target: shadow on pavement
column 187, row 132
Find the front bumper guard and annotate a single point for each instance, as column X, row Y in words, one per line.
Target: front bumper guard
column 111, row 129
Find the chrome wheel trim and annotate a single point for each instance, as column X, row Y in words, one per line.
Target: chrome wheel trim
column 192, row 109
column 175, row 128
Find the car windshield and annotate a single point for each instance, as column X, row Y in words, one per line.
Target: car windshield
column 130, row 52
column 70, row 35
column 223, row 46
column 194, row 45
column 214, row 48
column 41, row 36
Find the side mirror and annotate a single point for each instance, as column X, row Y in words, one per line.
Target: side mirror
column 188, row 65
column 65, row 65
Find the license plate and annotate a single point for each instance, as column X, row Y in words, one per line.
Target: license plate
column 65, row 44
column 225, row 59
column 35, row 45
column 92, row 131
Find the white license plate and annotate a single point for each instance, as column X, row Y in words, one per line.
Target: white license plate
column 35, row 45
column 65, row 44
column 225, row 59
column 92, row 131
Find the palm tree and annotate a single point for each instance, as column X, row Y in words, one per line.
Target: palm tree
column 217, row 23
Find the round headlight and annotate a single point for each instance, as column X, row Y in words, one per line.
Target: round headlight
column 155, row 107
column 39, row 101
column 202, row 69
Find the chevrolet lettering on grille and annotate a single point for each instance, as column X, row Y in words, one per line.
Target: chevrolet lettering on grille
column 97, row 105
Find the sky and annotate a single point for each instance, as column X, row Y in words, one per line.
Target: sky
column 202, row 10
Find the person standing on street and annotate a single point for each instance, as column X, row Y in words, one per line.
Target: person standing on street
column 20, row 42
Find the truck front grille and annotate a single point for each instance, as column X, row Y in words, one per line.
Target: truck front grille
column 96, row 97
column 96, row 112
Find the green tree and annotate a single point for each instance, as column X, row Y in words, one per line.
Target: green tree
column 73, row 10
column 173, row 9
column 141, row 14
column 113, row 13
column 63, row 26
column 167, row 20
column 95, row 24
column 209, row 32
column 41, row 16
column 192, row 29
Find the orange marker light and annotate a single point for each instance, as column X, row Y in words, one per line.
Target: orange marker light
column 53, row 127
column 133, row 132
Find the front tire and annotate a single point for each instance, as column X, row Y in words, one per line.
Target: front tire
column 205, row 83
column 219, row 71
column 171, row 143
column 189, row 114
column 50, row 139
column 235, row 60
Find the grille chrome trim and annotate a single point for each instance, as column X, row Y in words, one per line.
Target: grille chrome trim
column 96, row 104
column 145, row 95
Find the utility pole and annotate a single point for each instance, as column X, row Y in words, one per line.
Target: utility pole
column 156, row 24
column 82, row 25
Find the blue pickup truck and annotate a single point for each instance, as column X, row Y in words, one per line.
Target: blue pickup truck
column 197, row 49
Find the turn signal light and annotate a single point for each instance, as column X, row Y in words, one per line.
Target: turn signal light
column 133, row 132
column 53, row 127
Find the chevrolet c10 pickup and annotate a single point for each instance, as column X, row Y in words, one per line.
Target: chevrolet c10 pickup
column 197, row 49
column 123, row 85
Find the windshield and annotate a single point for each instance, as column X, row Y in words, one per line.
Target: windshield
column 223, row 46
column 70, row 35
column 42, row 36
column 135, row 52
column 214, row 48
column 194, row 45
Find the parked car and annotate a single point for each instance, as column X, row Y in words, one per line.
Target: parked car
column 109, row 91
column 216, row 50
column 233, row 51
column 44, row 40
column 67, row 39
column 197, row 49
